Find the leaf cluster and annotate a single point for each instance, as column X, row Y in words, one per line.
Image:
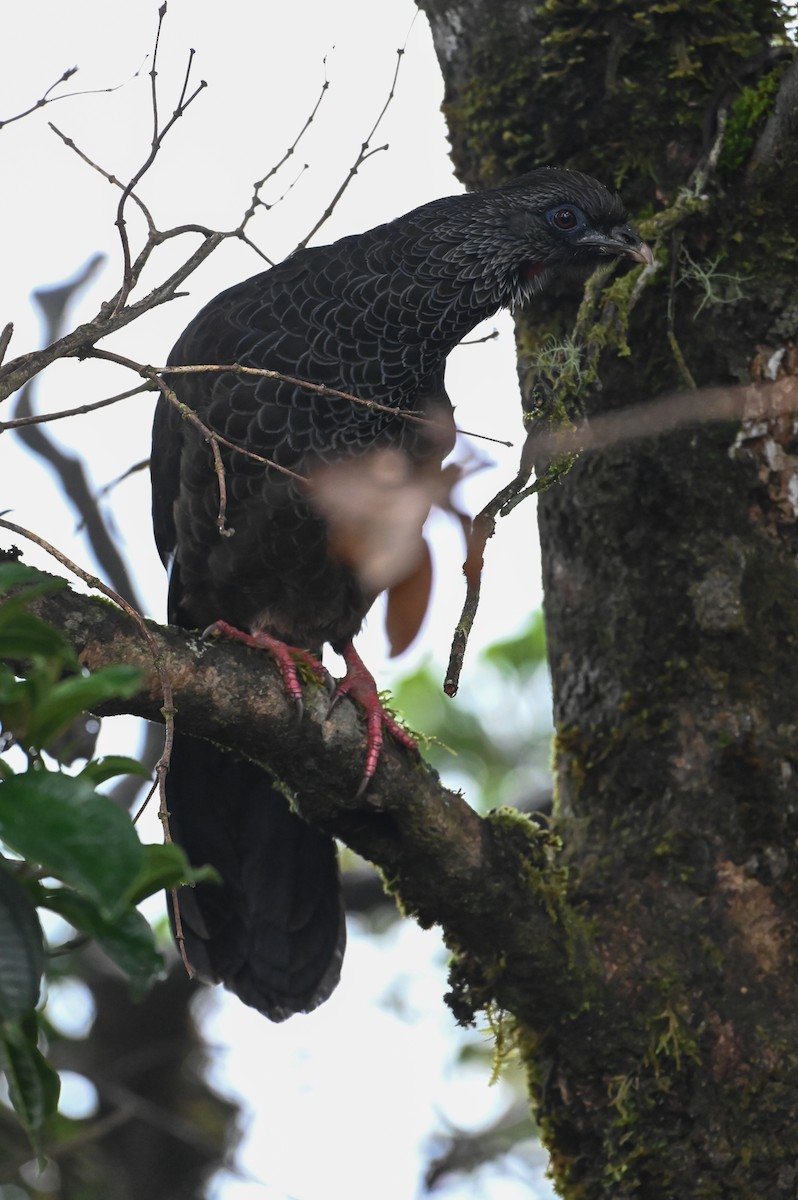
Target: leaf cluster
column 66, row 847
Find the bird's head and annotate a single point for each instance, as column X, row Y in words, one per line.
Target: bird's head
column 550, row 222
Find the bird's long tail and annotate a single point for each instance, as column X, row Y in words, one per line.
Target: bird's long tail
column 273, row 931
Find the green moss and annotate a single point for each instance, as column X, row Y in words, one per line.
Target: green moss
column 745, row 118
column 671, row 1038
column 491, row 135
column 546, row 879
column 565, row 87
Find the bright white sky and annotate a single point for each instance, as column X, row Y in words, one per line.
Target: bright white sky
column 324, row 1125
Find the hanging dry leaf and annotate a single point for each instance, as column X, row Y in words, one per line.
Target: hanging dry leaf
column 376, row 506
column 408, row 601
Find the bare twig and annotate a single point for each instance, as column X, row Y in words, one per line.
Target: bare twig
column 750, row 402
column 489, row 337
column 118, row 311
column 134, row 470
column 214, row 439
column 156, row 236
column 45, row 418
column 256, row 201
column 676, row 350
column 112, row 179
column 156, row 381
column 54, row 303
column 130, row 273
column 483, row 437
column 318, row 389
column 18, row 371
column 6, row 335
column 364, row 153
column 483, row 528
column 47, row 98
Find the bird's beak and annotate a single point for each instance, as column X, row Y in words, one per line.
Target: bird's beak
column 641, row 253
column 618, row 243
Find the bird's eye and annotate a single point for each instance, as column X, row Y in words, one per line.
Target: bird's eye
column 564, row 218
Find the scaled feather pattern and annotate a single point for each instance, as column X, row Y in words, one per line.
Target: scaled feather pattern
column 374, row 315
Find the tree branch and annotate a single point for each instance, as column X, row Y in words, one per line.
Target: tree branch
column 493, row 883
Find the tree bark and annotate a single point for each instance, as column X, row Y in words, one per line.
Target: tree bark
column 671, row 594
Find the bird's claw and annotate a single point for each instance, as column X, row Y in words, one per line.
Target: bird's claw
column 285, row 658
column 359, row 684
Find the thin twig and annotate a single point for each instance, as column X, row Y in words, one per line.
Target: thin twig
column 45, row 99
column 364, row 153
column 751, row 402
column 117, row 312
column 130, row 275
column 44, row 418
column 489, row 337
column 54, row 303
column 145, row 802
column 6, row 335
column 256, row 201
column 112, row 179
column 76, row 343
column 134, row 470
column 214, row 439
column 318, row 389
column 676, row 349
column 483, row 528
column 48, row 99
column 483, row 437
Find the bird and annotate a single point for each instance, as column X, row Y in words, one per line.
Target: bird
column 373, row 315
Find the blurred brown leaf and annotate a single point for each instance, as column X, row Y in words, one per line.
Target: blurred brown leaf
column 376, row 506
column 408, row 601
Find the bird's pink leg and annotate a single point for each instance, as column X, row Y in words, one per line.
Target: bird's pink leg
column 285, row 656
column 359, row 684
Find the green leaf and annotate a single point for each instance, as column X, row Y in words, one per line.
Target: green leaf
column 126, row 937
column 75, row 833
column 100, row 769
column 15, row 703
column 74, row 695
column 166, row 866
column 33, row 1085
column 21, row 948
column 23, row 636
column 522, row 653
column 28, row 581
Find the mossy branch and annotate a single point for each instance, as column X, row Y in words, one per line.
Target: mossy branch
column 494, row 884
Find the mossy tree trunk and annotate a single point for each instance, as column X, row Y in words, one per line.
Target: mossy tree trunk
column 671, row 587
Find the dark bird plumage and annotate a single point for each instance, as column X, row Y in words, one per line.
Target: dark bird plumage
column 374, row 315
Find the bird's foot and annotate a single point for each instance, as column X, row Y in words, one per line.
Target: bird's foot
column 286, row 657
column 359, row 684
